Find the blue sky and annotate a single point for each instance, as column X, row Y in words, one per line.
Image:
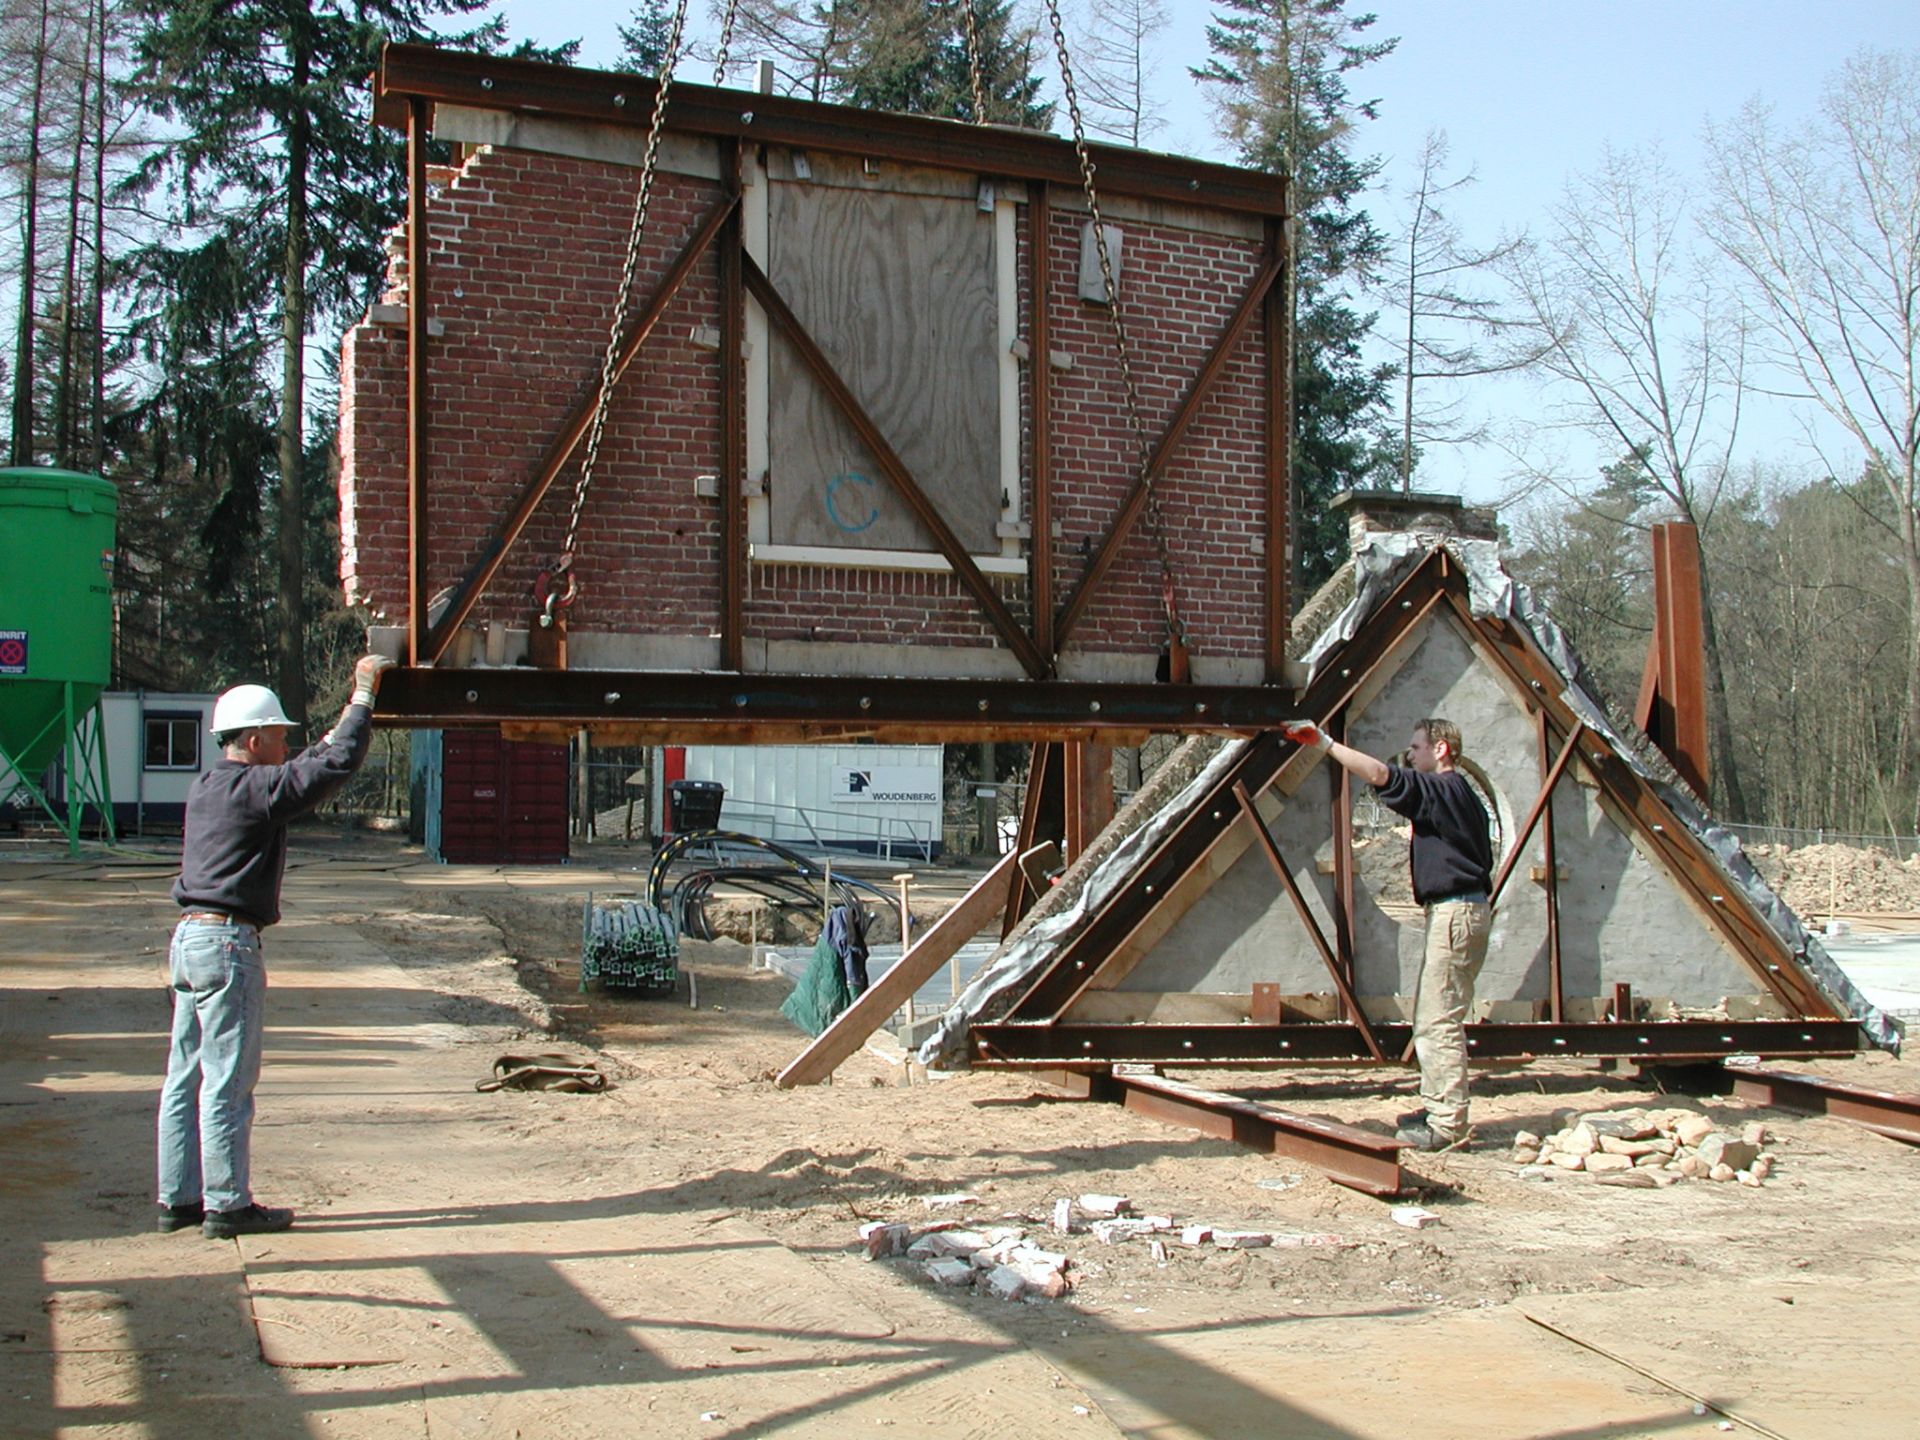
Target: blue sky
column 1528, row 91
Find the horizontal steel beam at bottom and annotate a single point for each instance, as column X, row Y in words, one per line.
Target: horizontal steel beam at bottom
column 1029, row 1046
column 1885, row 1112
column 1359, row 1159
column 688, row 702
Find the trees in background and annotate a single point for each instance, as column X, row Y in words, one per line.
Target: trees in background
column 1279, row 75
column 1646, row 357
column 1113, row 51
column 1820, row 224
column 1440, row 288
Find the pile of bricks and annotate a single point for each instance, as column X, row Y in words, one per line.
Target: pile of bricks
column 1647, row 1149
column 1003, row 1261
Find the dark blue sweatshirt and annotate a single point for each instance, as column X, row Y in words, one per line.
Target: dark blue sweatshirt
column 1451, row 852
column 235, row 847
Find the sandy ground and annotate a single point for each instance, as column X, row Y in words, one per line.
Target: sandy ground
column 676, row 1256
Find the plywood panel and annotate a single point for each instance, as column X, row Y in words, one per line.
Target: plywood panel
column 898, row 291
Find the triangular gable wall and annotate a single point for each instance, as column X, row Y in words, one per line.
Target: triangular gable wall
column 1188, row 917
column 1622, row 918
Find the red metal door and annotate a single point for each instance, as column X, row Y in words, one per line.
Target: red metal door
column 502, row 801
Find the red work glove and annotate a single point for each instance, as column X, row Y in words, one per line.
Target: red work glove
column 1306, row 736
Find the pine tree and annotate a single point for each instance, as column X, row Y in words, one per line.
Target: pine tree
column 912, row 56
column 278, row 186
column 643, row 40
column 1281, row 68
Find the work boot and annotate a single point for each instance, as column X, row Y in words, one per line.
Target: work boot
column 253, row 1220
column 179, row 1217
column 1421, row 1135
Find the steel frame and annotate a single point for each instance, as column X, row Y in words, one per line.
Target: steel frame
column 413, row 80
column 1037, row 1031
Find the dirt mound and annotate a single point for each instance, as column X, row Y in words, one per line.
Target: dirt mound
column 1840, row 879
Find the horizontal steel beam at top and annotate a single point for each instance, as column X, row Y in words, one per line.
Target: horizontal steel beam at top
column 484, row 82
column 1066, row 1046
column 694, row 702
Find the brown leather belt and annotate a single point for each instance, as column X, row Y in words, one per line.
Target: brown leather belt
column 215, row 917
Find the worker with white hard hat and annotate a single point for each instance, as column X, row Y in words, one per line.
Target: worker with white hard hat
column 232, row 857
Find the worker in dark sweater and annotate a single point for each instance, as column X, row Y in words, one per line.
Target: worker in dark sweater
column 231, row 861
column 1452, row 861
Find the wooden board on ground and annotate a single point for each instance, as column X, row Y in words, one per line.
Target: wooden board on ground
column 1784, row 1356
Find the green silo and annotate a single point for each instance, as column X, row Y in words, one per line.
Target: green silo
column 56, row 633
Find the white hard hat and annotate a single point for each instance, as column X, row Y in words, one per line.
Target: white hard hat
column 246, row 706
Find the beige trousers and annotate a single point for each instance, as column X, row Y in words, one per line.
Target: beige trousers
column 1456, row 949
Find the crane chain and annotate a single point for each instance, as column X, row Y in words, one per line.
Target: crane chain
column 973, row 66
column 648, row 164
column 1156, row 524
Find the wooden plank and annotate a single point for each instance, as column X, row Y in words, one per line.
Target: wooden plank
column 867, row 1014
column 781, row 315
column 898, row 293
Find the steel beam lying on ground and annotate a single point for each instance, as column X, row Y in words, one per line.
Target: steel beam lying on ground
column 1017, row 1046
column 1358, row 1158
column 1885, row 1112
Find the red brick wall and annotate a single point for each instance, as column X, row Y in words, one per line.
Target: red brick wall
column 526, row 253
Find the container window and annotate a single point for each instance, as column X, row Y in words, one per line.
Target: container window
column 172, row 742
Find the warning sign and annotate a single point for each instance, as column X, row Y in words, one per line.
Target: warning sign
column 13, row 652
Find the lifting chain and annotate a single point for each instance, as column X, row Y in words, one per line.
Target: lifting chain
column 649, row 165
column 570, row 547
column 726, row 43
column 973, row 65
column 1156, row 525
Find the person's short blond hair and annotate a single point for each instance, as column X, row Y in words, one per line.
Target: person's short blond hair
column 1443, row 732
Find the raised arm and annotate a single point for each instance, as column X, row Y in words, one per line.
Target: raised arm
column 1355, row 762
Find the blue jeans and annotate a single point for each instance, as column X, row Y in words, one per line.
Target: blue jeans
column 206, row 1105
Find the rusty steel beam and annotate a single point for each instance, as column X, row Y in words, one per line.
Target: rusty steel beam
column 1360, row 1159
column 1161, row 456
column 1016, row 1046
column 483, row 82
column 1277, row 398
column 697, row 699
column 1886, row 1112
column 1556, row 1008
column 493, row 553
column 1042, row 819
column 1350, row 1005
column 895, row 469
column 733, row 423
column 419, row 313
column 1078, row 965
column 1040, row 415
column 1343, row 906
column 1536, row 810
column 1672, row 707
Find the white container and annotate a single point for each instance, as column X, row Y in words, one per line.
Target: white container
column 882, row 800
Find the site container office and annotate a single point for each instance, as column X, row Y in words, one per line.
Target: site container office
column 880, row 800
column 157, row 744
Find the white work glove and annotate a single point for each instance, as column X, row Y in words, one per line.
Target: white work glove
column 366, row 678
column 1307, row 736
